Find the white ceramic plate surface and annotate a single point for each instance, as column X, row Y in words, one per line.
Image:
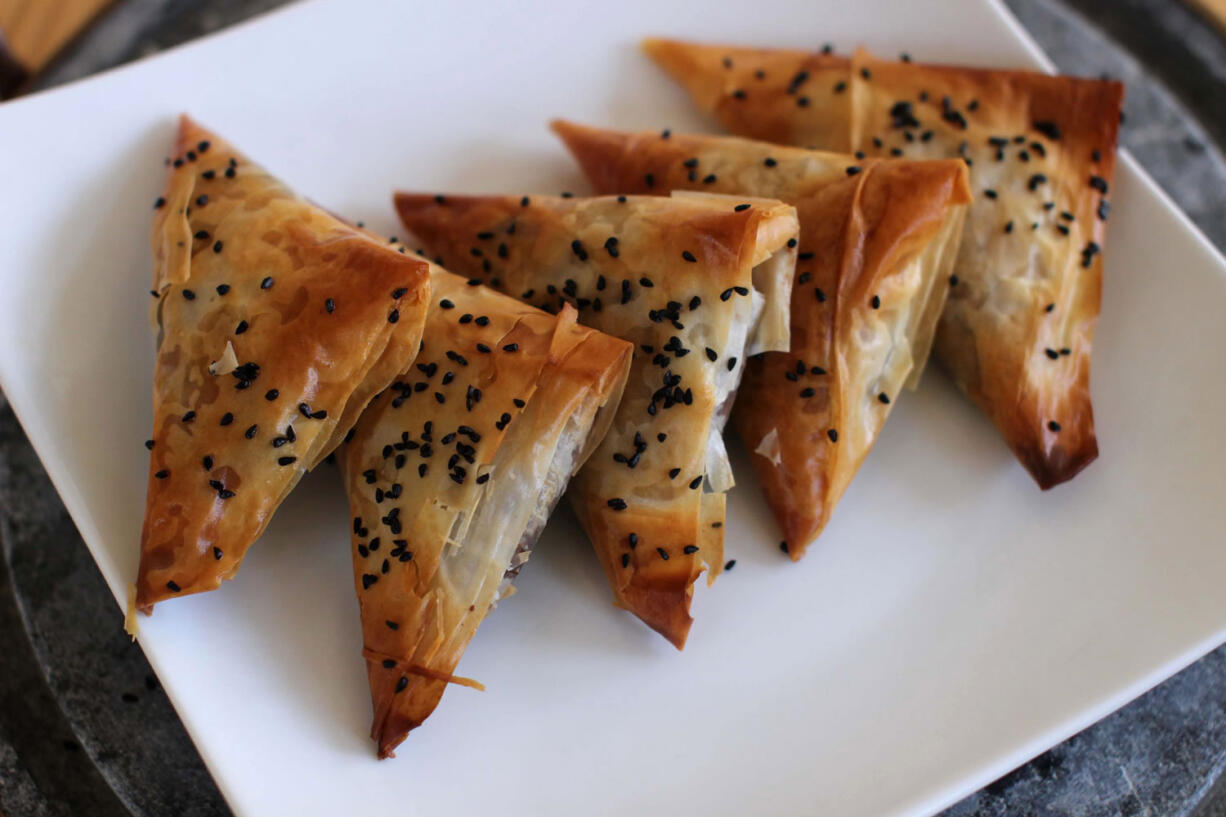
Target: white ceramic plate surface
column 952, row 622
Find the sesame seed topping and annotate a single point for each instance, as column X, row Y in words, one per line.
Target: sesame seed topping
column 688, row 256
column 1048, row 129
column 663, row 553
column 1052, row 425
column 833, row 435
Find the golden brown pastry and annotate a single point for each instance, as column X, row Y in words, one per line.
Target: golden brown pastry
column 276, row 323
column 790, row 97
column 877, row 242
column 452, row 473
column 697, row 283
column 1017, row 331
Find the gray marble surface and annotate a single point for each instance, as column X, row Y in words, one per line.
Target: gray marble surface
column 85, row 729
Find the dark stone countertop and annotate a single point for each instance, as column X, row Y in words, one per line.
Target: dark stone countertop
column 85, row 729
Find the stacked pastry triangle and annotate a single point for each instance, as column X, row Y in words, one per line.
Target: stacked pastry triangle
column 452, row 472
column 877, row 242
column 1017, row 331
column 697, row 284
column 276, row 323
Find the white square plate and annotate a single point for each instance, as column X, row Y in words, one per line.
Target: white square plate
column 952, row 622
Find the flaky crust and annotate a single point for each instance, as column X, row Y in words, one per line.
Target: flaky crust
column 1017, row 331
column 1030, row 273
column 694, row 283
column 249, row 354
column 451, row 473
column 774, row 95
column 876, row 247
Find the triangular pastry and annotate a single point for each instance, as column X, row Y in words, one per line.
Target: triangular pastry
column 1017, row 330
column 877, row 241
column 276, row 323
column 698, row 284
column 452, row 472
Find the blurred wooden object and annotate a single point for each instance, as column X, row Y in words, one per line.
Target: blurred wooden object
column 1215, row 10
column 34, row 31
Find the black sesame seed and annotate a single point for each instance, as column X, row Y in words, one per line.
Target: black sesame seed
column 617, row 504
column 1048, row 129
column 173, row 587
column 159, row 203
column 883, row 398
column 188, row 416
column 162, row 474
column 740, row 208
column 808, row 392
column 783, row 546
column 649, row 180
column 217, row 248
column 689, row 256
column 710, row 178
column 625, row 560
column 1052, row 354
column 266, row 283
column 250, row 432
column 688, row 549
column 286, row 460
column 1052, row 425
column 189, row 295
column 769, row 162
column 217, row 553
column 393, row 316
column 953, row 280
column 663, row 553
column 207, row 462
column 222, row 289
column 833, row 435
column 1099, row 184
column 852, row 170
column 241, row 328
column 202, row 200
column 227, row 418
column 875, row 303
